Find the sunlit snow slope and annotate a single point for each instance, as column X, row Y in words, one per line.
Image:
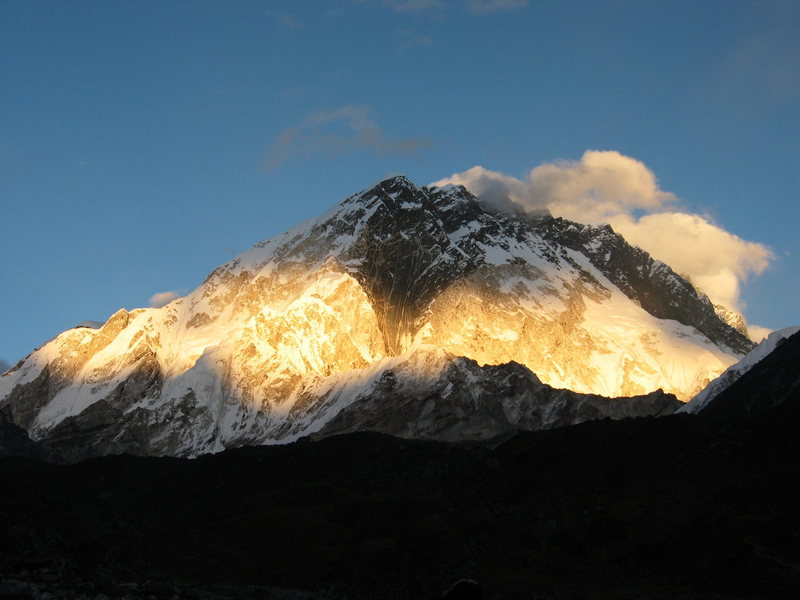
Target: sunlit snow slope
column 277, row 342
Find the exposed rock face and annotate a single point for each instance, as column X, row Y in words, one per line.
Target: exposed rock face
column 434, row 395
column 732, row 318
column 270, row 346
column 651, row 283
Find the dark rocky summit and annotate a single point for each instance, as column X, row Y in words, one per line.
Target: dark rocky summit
column 407, row 256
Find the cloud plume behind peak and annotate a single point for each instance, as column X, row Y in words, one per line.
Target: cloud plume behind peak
column 609, row 187
column 599, row 185
column 163, row 298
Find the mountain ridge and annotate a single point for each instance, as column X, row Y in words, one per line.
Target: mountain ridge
column 737, row 370
column 247, row 357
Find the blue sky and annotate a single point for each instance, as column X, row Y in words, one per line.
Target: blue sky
column 144, row 143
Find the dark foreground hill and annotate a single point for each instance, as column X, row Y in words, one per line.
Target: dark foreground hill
column 674, row 507
column 679, row 507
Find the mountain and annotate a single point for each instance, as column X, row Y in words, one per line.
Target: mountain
column 773, row 381
column 735, row 371
column 398, row 281
column 732, row 318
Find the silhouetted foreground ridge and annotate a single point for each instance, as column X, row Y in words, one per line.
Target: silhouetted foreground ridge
column 674, row 507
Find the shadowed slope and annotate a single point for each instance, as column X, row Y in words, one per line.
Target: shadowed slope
column 676, row 507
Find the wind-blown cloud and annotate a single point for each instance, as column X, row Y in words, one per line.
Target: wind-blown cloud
column 163, row 298
column 609, row 187
column 758, row 333
column 336, row 131
column 4, row 366
column 716, row 261
column 590, row 190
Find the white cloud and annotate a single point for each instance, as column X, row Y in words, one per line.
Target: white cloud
column 163, row 298
column 715, row 260
column 758, row 333
column 337, row 131
column 600, row 184
column 609, row 187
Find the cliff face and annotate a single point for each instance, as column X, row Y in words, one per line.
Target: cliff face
column 277, row 342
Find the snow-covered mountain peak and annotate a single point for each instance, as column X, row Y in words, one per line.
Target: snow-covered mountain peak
column 247, row 357
column 404, row 243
